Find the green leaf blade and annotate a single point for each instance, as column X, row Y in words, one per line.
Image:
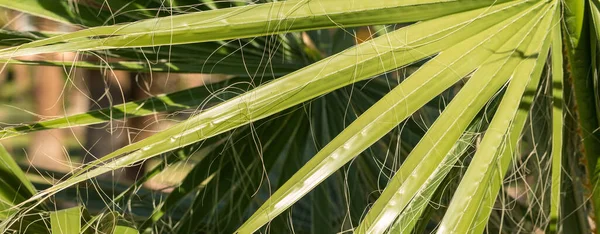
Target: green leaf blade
column 245, row 22
column 322, row 77
column 445, row 69
column 66, row 221
column 430, row 159
column 472, row 201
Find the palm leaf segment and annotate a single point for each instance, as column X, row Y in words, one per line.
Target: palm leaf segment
column 500, row 46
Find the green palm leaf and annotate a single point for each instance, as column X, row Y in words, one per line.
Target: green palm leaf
column 317, row 79
column 313, row 136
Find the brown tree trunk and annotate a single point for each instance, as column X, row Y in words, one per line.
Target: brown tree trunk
column 144, row 86
column 22, row 73
column 46, row 150
column 105, row 88
column 112, row 89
